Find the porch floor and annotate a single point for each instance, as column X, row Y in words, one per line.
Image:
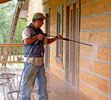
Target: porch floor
column 57, row 88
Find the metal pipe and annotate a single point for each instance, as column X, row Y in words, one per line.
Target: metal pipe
column 71, row 40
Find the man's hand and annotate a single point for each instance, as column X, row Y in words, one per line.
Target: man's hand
column 40, row 36
column 59, row 37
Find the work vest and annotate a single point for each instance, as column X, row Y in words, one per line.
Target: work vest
column 38, row 50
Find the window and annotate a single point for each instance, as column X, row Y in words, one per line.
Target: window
column 59, row 45
column 47, row 47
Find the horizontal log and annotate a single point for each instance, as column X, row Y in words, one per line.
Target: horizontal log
column 95, row 81
column 91, row 92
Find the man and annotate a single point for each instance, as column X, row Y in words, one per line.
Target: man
column 34, row 66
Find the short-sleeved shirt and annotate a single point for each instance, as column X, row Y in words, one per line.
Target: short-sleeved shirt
column 35, row 61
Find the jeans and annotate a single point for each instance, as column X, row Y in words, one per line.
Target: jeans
column 32, row 73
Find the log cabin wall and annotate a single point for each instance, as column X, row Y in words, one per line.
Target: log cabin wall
column 92, row 76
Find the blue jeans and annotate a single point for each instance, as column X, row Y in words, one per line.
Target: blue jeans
column 32, row 73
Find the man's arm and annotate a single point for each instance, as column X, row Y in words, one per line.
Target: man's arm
column 28, row 41
column 49, row 41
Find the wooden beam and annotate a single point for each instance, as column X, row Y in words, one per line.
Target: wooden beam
column 3, row 1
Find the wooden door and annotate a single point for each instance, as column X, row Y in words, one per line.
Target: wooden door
column 71, row 47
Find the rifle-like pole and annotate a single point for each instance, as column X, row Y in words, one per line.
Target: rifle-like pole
column 71, row 40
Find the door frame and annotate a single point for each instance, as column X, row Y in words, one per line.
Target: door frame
column 76, row 86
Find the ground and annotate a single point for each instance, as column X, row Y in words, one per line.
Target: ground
column 56, row 87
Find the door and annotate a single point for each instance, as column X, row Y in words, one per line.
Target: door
column 71, row 48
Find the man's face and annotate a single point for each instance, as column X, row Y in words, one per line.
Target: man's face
column 39, row 23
